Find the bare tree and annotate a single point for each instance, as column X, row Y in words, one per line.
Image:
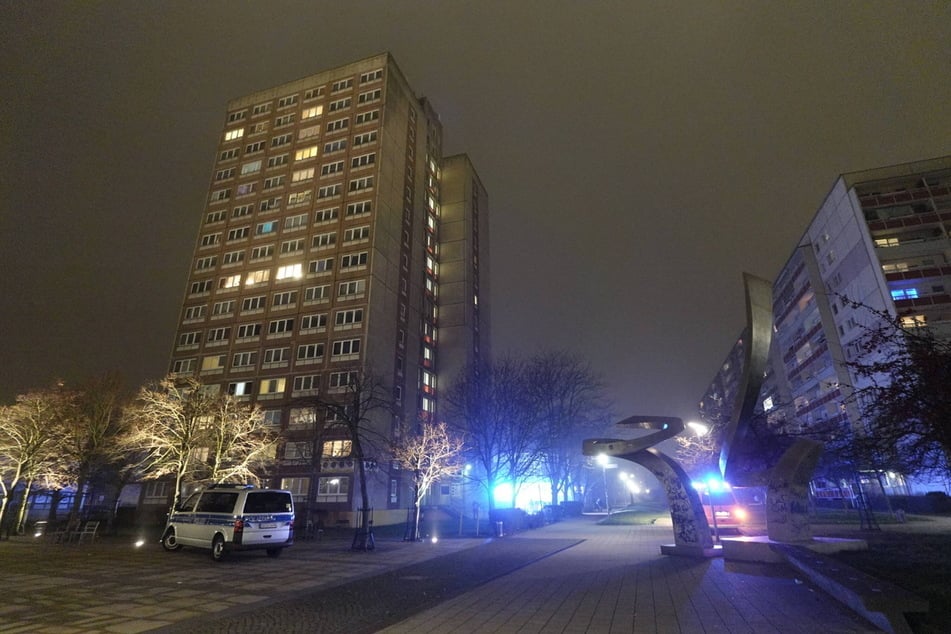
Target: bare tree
column 491, row 407
column 903, row 393
column 431, row 452
column 354, row 407
column 31, row 441
column 193, row 434
column 94, row 435
column 570, row 405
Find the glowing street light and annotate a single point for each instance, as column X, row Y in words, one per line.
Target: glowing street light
column 698, row 428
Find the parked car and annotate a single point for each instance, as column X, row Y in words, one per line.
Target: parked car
column 225, row 518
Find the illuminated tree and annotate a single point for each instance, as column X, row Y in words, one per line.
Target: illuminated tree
column 197, row 435
column 432, row 452
column 31, row 441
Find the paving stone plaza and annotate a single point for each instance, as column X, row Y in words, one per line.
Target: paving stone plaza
column 572, row 576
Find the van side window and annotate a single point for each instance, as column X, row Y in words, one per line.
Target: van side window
column 268, row 502
column 216, row 502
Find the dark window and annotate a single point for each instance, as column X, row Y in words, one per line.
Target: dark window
column 268, row 502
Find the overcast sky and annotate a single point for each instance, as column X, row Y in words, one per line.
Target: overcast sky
column 638, row 156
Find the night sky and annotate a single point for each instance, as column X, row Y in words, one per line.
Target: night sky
column 638, row 156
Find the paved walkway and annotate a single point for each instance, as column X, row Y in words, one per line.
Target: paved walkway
column 573, row 576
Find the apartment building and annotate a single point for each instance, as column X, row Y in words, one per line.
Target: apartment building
column 327, row 247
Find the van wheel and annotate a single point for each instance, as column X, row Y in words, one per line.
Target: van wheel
column 218, row 547
column 274, row 552
column 169, row 541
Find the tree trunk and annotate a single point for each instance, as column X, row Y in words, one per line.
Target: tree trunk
column 24, row 506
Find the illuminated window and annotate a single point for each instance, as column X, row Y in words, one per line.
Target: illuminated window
column 302, row 175
column 299, row 198
column 886, row 242
column 914, row 321
column 336, row 488
column 272, row 386
column 251, row 168
column 231, row 135
column 243, row 388
column 338, row 448
column 306, row 153
column 904, row 293
column 265, row 228
column 291, row 271
column 213, row 362
column 895, row 267
column 257, row 277
column 310, row 113
column 232, row 281
column 306, row 133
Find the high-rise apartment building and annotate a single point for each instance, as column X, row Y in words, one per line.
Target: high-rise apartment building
column 882, row 238
column 336, row 239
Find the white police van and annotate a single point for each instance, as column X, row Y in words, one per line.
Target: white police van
column 227, row 517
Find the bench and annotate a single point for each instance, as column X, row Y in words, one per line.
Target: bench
column 880, row 602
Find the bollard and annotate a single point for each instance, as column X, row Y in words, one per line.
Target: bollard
column 498, row 530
